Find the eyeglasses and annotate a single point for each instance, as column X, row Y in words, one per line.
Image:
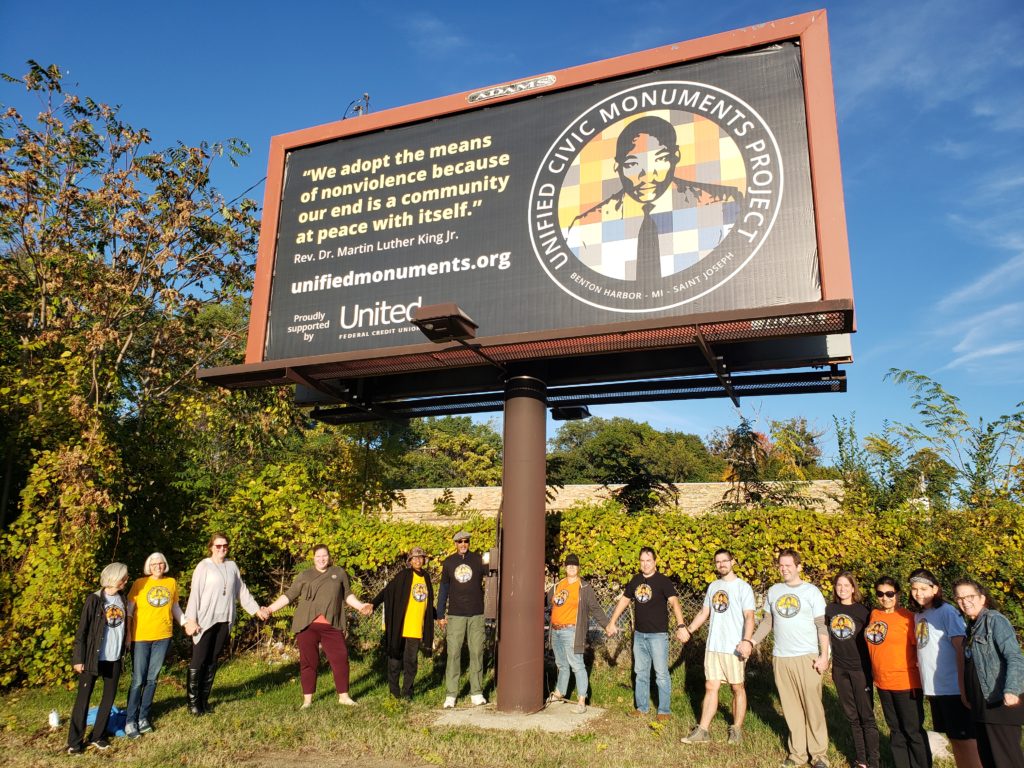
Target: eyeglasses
column 220, row 546
column 966, row 598
column 462, row 541
column 880, row 593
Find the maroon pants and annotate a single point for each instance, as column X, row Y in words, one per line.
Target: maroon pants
column 310, row 640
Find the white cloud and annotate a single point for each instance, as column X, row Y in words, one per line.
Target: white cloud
column 433, row 37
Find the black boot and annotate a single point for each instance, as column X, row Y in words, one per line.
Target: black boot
column 205, row 686
column 192, row 691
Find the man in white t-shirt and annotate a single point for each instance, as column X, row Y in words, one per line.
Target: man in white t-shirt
column 729, row 603
column 796, row 615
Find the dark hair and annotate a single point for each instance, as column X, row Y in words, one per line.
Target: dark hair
column 887, row 581
column 725, row 552
column 657, row 127
column 915, row 606
column 649, row 551
column 857, row 596
column 317, row 547
column 788, row 553
column 215, row 536
column 966, row 582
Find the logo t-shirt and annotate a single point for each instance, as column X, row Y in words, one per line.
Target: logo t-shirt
column 934, row 630
column 891, row 639
column 114, row 616
column 650, row 596
column 417, row 607
column 565, row 602
column 846, row 633
column 154, row 601
column 727, row 600
column 794, row 610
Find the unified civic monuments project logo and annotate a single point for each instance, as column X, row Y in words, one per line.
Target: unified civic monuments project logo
column 655, row 196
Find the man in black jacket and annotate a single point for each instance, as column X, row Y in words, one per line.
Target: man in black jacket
column 460, row 610
column 408, row 621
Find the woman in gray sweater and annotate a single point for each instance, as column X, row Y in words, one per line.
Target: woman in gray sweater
column 216, row 586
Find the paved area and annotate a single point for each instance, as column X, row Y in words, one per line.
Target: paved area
column 554, row 718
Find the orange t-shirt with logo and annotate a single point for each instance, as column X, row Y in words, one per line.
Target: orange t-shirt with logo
column 892, row 646
column 565, row 602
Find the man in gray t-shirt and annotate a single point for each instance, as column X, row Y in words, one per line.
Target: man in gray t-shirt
column 729, row 603
column 796, row 614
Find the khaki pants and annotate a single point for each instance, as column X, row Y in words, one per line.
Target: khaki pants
column 800, row 694
column 461, row 629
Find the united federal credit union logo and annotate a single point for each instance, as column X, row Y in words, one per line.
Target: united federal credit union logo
column 655, row 196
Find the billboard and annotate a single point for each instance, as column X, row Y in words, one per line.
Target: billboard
column 656, row 190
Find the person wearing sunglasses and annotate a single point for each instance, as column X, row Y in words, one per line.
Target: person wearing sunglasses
column 216, row 586
column 460, row 611
column 892, row 647
column 940, row 632
column 993, row 677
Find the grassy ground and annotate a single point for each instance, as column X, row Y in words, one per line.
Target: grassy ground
column 257, row 723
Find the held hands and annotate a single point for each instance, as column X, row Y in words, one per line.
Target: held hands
column 442, row 623
column 683, row 634
column 191, row 627
column 366, row 609
column 611, row 630
column 264, row 613
column 821, row 664
column 744, row 648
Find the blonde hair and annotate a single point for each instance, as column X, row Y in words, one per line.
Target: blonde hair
column 147, row 569
column 113, row 575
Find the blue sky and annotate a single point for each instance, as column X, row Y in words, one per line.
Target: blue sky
column 930, row 98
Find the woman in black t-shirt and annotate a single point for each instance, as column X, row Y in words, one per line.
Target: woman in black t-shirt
column 846, row 617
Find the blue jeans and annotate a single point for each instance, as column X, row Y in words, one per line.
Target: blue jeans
column 147, row 661
column 651, row 648
column 562, row 643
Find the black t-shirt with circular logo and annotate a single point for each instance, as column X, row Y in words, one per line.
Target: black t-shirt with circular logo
column 846, row 632
column 650, row 597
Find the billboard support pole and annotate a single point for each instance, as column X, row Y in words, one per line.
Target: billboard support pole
column 521, row 608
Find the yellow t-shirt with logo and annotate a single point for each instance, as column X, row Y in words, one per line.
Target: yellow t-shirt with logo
column 154, row 601
column 417, row 607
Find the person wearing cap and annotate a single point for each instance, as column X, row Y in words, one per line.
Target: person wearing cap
column 408, row 601
column 460, row 610
column 573, row 603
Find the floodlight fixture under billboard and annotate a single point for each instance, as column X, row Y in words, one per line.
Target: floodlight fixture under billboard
column 649, row 216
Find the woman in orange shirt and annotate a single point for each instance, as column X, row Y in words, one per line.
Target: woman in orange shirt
column 893, row 649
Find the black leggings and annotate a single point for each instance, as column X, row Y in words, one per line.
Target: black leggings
column 110, row 671
column 211, row 643
column 854, row 689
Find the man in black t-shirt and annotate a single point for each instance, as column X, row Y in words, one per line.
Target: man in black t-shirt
column 460, row 609
column 653, row 593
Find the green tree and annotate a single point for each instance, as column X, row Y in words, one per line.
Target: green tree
column 109, row 254
column 619, row 451
column 451, row 451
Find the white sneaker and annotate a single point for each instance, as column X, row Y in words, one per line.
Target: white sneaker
column 477, row 700
column 449, row 702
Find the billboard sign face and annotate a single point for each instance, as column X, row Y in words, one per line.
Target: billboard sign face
column 671, row 188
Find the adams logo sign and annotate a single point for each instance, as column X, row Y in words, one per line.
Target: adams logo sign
column 655, row 196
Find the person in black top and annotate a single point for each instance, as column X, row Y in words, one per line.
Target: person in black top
column 846, row 616
column 460, row 610
column 653, row 593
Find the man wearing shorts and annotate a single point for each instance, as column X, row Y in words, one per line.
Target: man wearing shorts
column 729, row 603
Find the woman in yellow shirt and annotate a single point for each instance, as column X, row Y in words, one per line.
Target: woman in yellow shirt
column 155, row 598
